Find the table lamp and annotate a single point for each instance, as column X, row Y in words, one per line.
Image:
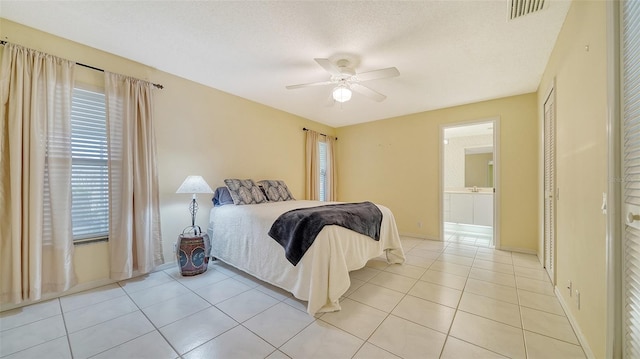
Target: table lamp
column 193, row 185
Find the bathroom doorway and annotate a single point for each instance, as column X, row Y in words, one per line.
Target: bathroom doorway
column 469, row 167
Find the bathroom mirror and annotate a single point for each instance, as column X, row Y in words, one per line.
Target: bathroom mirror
column 478, row 167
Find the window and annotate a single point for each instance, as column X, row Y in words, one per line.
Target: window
column 89, row 166
column 322, row 153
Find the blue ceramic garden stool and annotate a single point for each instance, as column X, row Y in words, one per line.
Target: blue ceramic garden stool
column 193, row 253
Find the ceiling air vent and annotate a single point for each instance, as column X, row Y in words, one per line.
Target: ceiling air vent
column 518, row 8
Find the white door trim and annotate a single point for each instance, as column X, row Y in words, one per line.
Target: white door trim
column 549, row 195
column 496, row 174
column 615, row 204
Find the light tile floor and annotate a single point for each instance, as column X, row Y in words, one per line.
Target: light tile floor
column 480, row 236
column 451, row 300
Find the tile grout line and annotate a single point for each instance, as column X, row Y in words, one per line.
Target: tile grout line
column 68, row 335
column 211, row 305
column 388, row 314
column 280, row 301
column 524, row 337
column 451, row 245
column 148, row 319
column 455, row 313
column 283, row 301
column 512, row 274
column 119, row 316
column 458, row 309
column 66, row 330
column 33, row 322
column 153, row 324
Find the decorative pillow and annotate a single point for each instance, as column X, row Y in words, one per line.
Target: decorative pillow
column 244, row 191
column 276, row 190
column 222, row 197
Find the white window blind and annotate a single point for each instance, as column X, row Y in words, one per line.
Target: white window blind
column 89, row 169
column 322, row 152
column 631, row 165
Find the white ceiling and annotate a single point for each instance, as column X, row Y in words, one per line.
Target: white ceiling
column 448, row 52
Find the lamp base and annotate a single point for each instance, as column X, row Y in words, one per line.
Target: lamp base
column 193, row 209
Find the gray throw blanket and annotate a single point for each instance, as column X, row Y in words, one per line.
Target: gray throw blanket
column 296, row 230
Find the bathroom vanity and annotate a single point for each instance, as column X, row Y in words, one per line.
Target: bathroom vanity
column 469, row 206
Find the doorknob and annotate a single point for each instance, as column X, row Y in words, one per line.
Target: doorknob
column 632, row 218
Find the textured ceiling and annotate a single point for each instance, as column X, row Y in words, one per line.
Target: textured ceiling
column 448, row 52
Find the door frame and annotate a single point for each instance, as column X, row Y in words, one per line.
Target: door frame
column 614, row 202
column 550, row 94
column 496, row 173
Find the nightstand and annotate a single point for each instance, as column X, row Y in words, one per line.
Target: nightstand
column 192, row 251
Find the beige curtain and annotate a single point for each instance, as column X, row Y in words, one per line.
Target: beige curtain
column 134, row 227
column 36, row 241
column 332, row 173
column 312, row 183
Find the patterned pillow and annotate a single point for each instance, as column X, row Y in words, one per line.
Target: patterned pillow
column 276, row 190
column 244, row 191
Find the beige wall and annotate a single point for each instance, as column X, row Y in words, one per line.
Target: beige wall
column 581, row 147
column 199, row 130
column 395, row 162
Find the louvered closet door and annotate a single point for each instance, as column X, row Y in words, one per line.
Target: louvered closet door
column 631, row 172
column 549, row 184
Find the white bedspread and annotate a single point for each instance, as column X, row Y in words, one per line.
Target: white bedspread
column 239, row 237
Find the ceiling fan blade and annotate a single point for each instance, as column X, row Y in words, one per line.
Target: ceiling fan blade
column 364, row 90
column 378, row 74
column 291, row 87
column 329, row 66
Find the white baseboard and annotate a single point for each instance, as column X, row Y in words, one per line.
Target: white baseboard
column 165, row 266
column 519, row 250
column 574, row 325
column 78, row 288
column 416, row 235
column 75, row 289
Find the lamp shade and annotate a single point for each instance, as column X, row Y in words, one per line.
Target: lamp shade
column 194, row 184
column 342, row 93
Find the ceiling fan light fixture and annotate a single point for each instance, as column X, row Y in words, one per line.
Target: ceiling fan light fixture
column 342, row 93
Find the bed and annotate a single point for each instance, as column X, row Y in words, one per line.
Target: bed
column 239, row 237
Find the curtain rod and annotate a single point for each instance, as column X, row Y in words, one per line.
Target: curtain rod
column 321, row 134
column 3, row 42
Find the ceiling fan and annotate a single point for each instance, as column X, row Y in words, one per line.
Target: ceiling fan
column 346, row 80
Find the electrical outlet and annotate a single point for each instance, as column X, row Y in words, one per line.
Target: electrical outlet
column 570, row 287
column 419, row 224
column 578, row 298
